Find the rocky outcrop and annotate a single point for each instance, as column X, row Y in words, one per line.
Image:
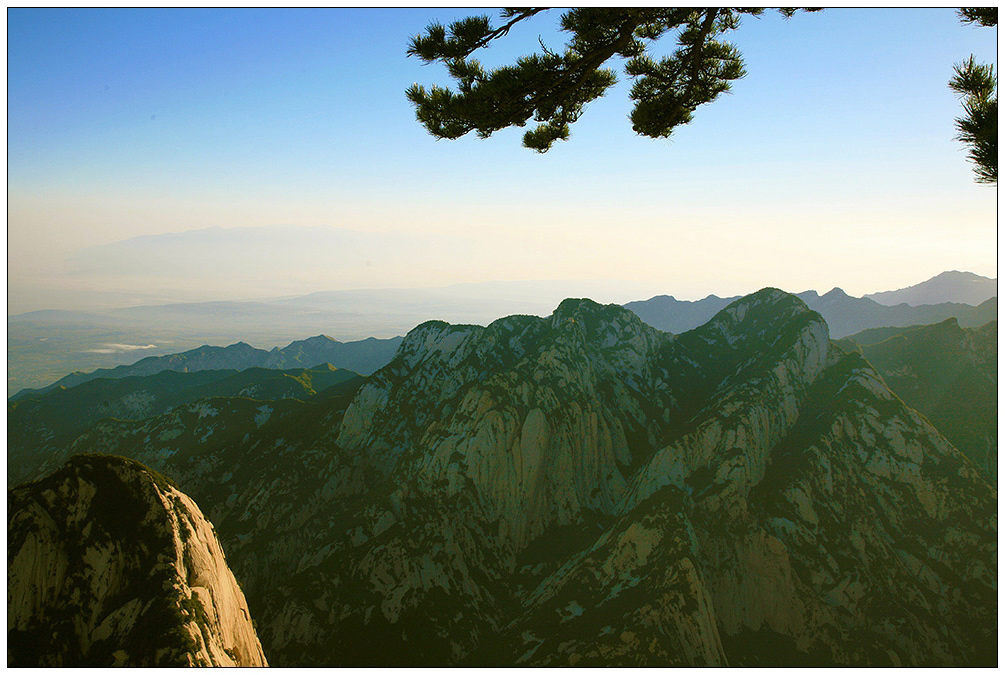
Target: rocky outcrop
column 109, row 564
column 584, row 489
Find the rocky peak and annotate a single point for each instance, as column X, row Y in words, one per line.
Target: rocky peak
column 525, row 493
column 602, row 326
column 110, row 564
column 757, row 313
column 526, row 403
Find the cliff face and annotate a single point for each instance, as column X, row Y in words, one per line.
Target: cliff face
column 584, row 489
column 109, row 564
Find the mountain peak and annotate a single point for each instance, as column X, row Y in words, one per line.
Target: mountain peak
column 767, row 299
column 317, row 339
column 584, row 309
column 156, row 587
column 951, row 286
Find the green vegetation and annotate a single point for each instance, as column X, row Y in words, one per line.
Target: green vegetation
column 551, row 88
column 45, row 424
column 977, row 85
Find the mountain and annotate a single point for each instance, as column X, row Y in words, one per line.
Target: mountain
column 666, row 312
column 844, row 314
column 960, row 287
column 584, row 489
column 108, row 563
column 950, row 375
column 41, row 426
column 364, row 356
column 847, row 315
column 44, row 346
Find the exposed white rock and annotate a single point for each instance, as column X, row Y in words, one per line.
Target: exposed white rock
column 114, row 566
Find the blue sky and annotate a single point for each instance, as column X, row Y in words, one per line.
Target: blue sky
column 832, row 163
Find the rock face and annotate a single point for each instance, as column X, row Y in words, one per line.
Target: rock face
column 584, row 489
column 109, row 564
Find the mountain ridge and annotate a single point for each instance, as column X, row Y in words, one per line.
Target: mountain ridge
column 367, row 355
column 44, row 347
column 844, row 314
column 42, row 426
column 585, row 489
column 950, row 286
column 949, row 374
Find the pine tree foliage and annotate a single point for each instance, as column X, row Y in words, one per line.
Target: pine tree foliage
column 985, row 16
column 977, row 84
column 551, row 88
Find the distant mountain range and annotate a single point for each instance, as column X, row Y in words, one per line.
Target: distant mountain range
column 44, row 346
column 583, row 489
column 844, row 314
column 363, row 357
column 964, row 287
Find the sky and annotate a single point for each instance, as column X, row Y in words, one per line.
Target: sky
column 136, row 136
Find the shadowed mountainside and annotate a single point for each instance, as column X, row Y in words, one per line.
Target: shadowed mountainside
column 364, row 356
column 947, row 373
column 584, row 489
column 40, row 427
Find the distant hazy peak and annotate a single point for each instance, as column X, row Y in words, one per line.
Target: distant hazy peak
column 952, row 286
column 315, row 339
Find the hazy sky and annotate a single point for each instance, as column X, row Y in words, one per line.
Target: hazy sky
column 832, row 163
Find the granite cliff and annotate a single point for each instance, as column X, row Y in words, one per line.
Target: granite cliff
column 109, row 564
column 584, row 489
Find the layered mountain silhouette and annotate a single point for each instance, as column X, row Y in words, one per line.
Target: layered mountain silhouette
column 583, row 489
column 844, row 314
column 108, row 563
column 963, row 287
column 45, row 345
column 363, row 356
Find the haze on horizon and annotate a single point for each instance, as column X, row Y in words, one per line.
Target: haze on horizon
column 159, row 155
